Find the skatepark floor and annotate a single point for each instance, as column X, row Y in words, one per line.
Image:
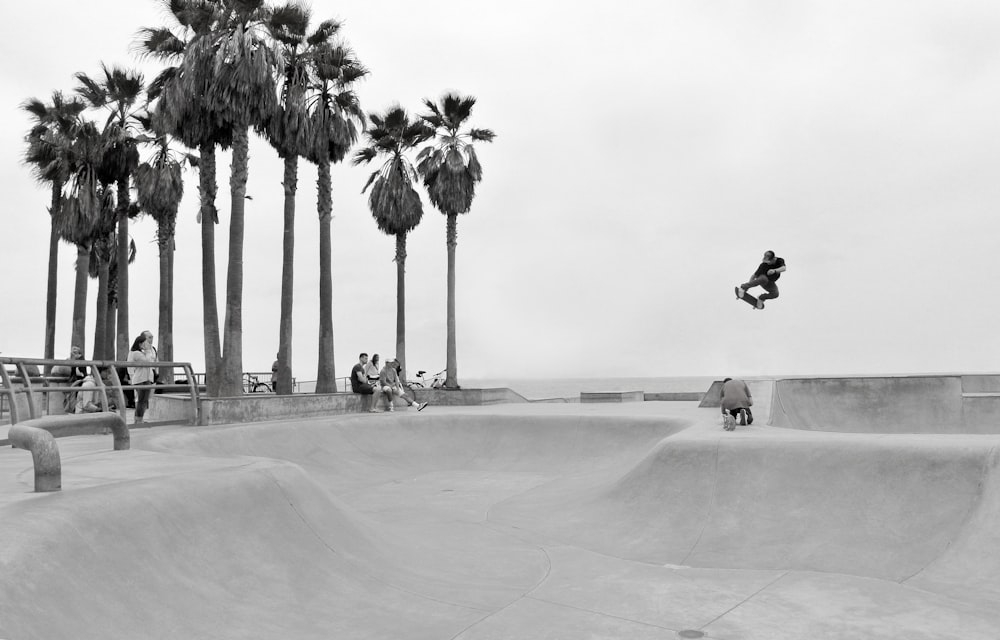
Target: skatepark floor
column 632, row 520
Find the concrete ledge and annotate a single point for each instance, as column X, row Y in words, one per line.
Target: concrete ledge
column 467, row 397
column 692, row 396
column 612, row 396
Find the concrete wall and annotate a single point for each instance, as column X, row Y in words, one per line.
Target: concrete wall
column 895, row 404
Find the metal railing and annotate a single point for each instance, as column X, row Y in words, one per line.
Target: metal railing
column 25, row 380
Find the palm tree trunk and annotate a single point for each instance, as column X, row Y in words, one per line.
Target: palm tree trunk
column 79, row 339
column 451, row 379
column 109, row 328
column 101, row 348
column 232, row 332
column 123, row 242
column 209, row 299
column 401, row 302
column 284, row 382
column 166, row 322
column 326, row 381
column 53, row 280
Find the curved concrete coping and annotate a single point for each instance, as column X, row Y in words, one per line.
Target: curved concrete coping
column 44, row 452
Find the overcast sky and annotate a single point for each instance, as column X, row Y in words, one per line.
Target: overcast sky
column 646, row 156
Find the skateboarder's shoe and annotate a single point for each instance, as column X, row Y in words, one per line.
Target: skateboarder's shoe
column 739, row 292
column 760, row 304
column 743, row 418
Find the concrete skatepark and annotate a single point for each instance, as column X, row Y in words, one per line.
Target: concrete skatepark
column 851, row 508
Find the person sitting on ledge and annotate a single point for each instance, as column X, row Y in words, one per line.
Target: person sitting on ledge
column 390, row 385
column 359, row 383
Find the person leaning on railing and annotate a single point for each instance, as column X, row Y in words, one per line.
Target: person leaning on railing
column 142, row 351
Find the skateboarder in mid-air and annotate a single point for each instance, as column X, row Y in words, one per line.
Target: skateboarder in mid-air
column 765, row 276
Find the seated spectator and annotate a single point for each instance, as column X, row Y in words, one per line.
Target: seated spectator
column 359, row 382
column 87, row 395
column 392, row 387
column 372, row 370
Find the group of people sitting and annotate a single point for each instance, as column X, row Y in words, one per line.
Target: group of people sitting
column 87, row 398
column 368, row 379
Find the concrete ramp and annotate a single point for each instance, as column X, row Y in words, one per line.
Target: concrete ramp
column 897, row 404
column 539, row 521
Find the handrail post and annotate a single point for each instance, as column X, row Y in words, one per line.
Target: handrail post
column 119, row 394
column 11, row 394
column 26, row 381
column 44, row 454
column 195, row 399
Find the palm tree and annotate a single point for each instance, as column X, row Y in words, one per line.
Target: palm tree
column 160, row 186
column 47, row 153
column 241, row 93
column 182, row 111
column 119, row 92
column 393, row 201
column 334, row 115
column 103, row 259
column 288, row 133
column 450, row 170
column 79, row 221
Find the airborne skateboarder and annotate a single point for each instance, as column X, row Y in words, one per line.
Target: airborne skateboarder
column 765, row 276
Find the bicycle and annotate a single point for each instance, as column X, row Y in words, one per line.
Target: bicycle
column 252, row 384
column 436, row 382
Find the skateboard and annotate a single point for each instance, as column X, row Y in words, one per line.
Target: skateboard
column 749, row 299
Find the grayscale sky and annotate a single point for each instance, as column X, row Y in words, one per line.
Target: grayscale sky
column 646, row 156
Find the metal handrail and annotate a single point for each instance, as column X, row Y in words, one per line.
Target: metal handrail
column 28, row 382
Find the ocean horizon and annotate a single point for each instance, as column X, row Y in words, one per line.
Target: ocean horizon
column 543, row 388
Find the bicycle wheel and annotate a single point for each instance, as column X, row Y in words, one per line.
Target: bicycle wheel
column 262, row 387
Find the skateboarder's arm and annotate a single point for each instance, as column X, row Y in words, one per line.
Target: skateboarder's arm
column 780, row 269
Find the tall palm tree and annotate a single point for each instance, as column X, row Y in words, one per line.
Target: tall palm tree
column 160, row 187
column 119, row 92
column 450, row 170
column 182, row 111
column 393, row 201
column 335, row 114
column 288, row 133
column 47, row 153
column 241, row 92
column 79, row 220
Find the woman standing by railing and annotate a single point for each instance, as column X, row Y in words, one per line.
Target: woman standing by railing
column 142, row 351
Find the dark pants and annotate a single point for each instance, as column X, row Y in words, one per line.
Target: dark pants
column 142, row 399
column 735, row 413
column 762, row 281
column 364, row 389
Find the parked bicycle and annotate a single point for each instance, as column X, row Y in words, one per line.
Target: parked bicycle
column 253, row 384
column 435, row 382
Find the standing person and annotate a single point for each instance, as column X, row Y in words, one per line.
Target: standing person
column 765, row 276
column 390, row 385
column 142, row 351
column 372, row 370
column 274, row 374
column 736, row 400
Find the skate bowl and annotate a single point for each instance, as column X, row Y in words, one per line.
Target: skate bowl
column 890, row 404
column 634, row 520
